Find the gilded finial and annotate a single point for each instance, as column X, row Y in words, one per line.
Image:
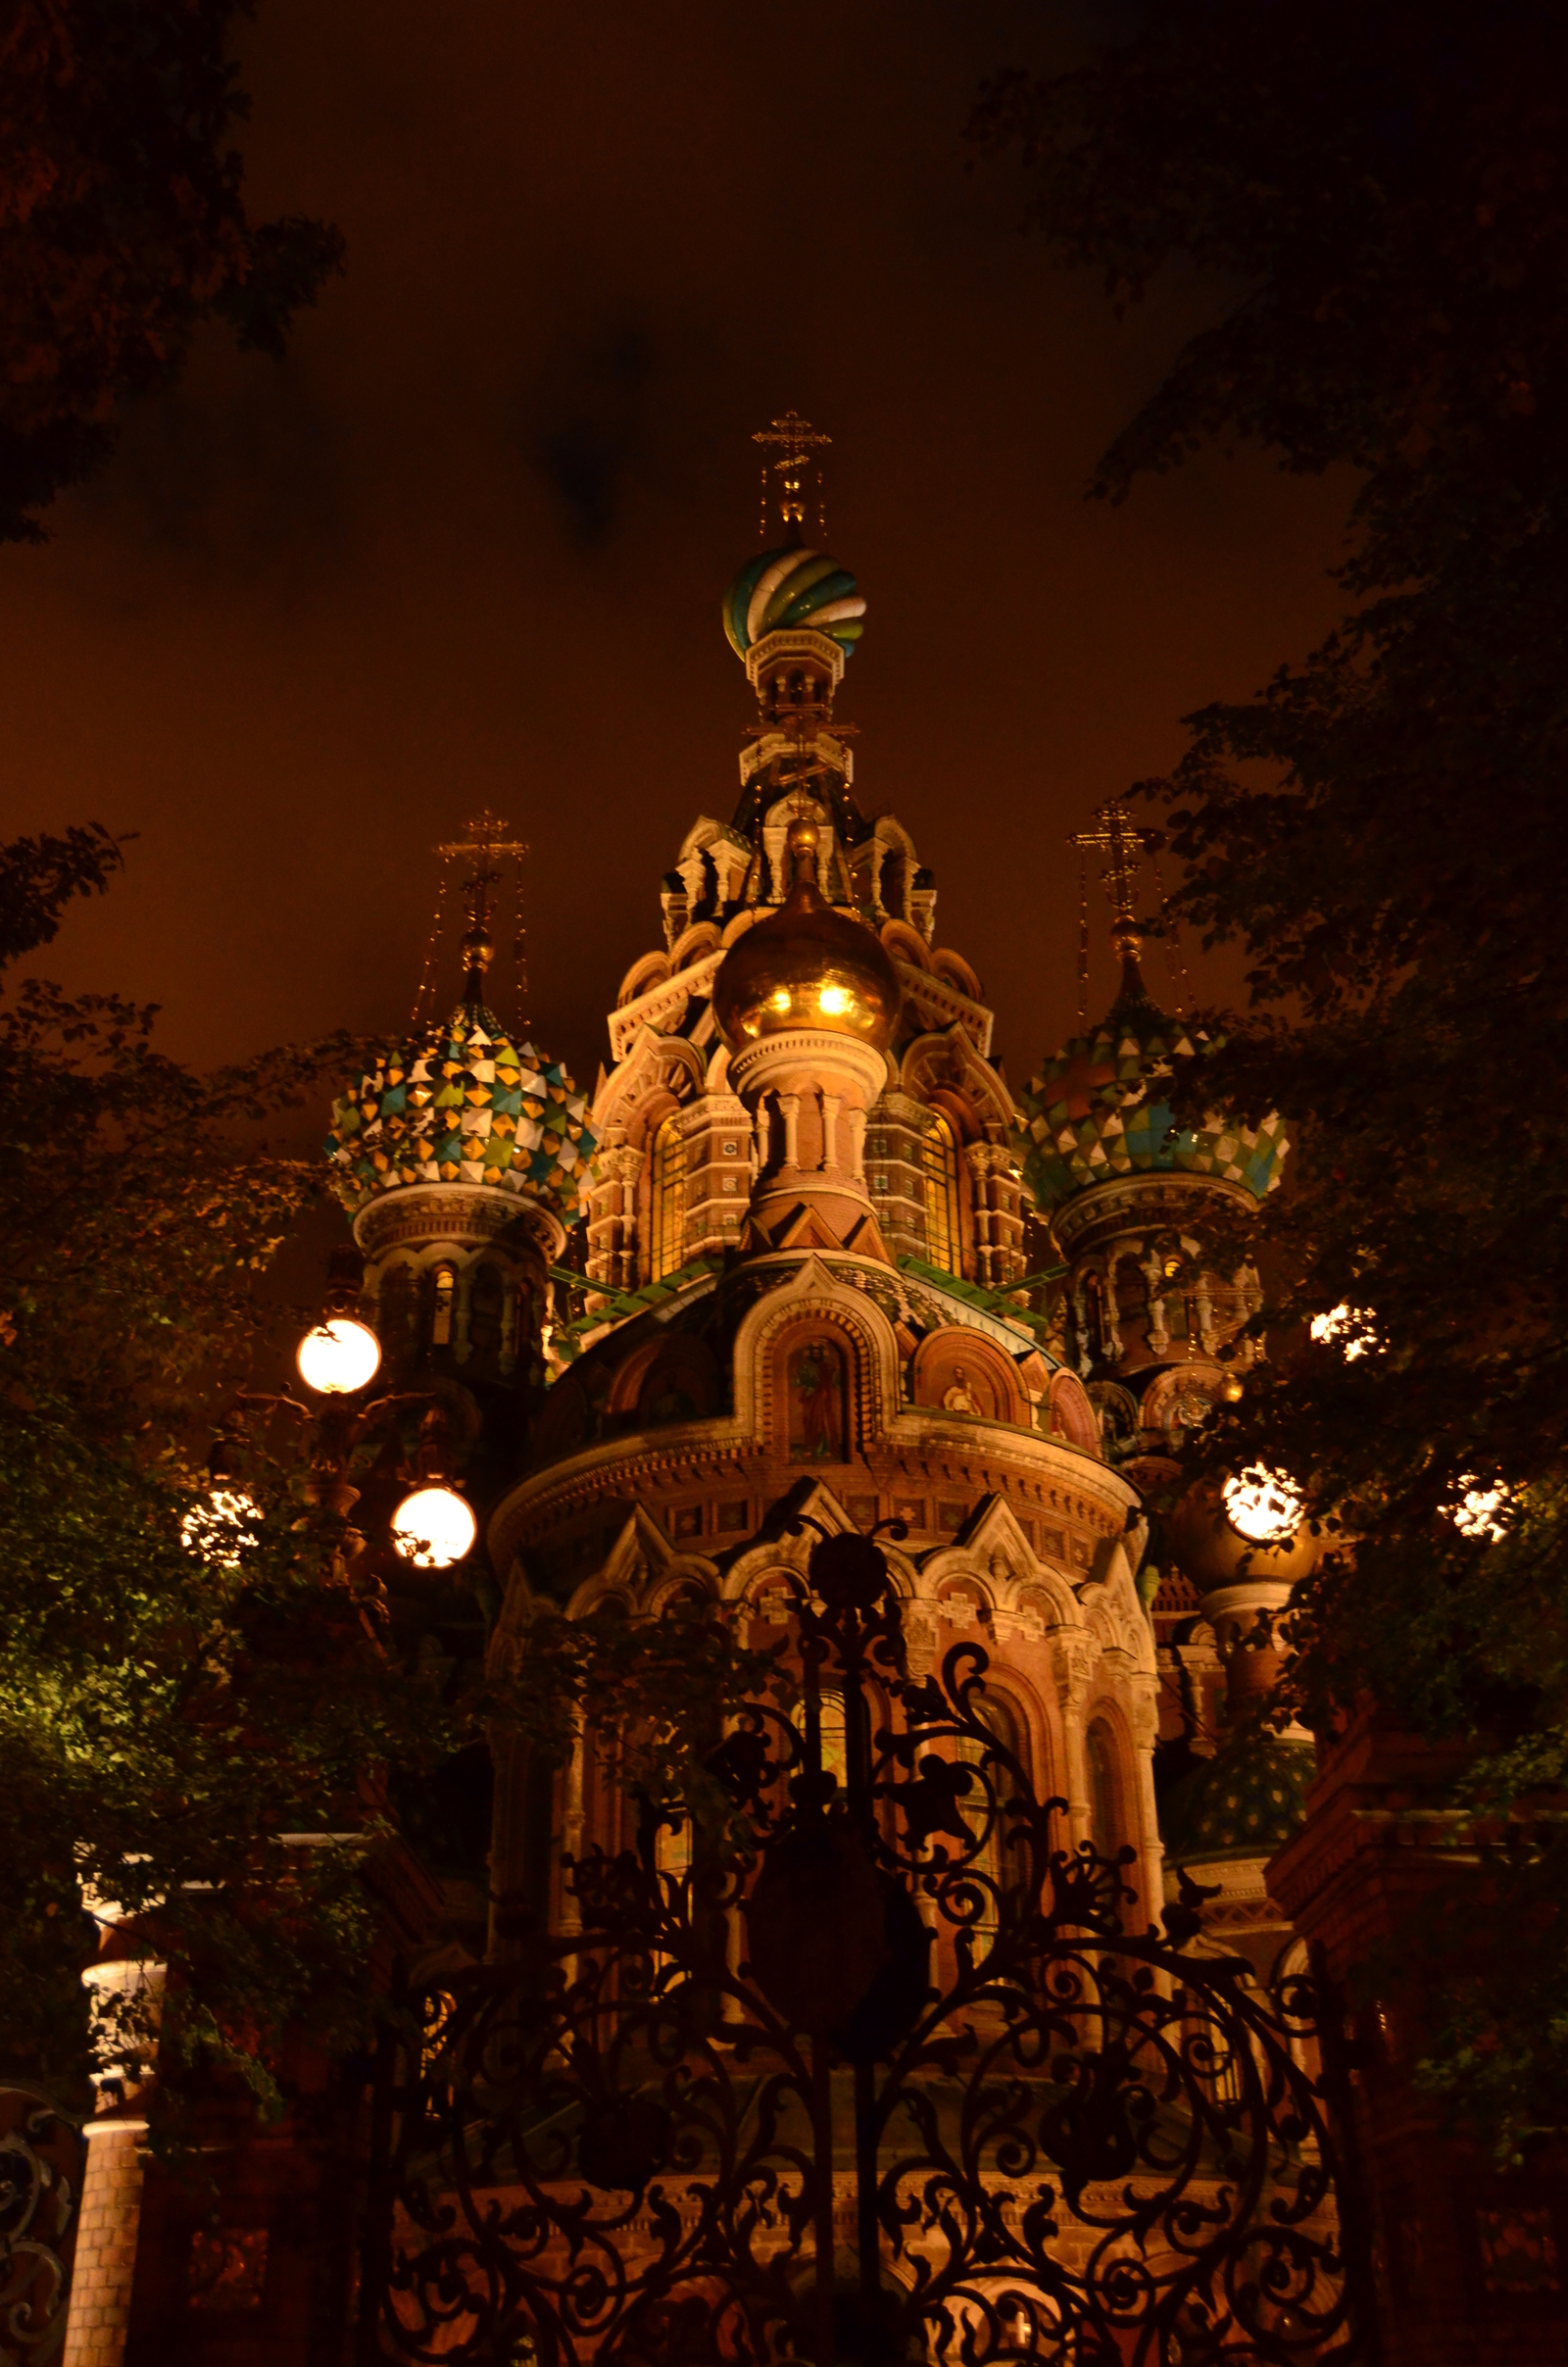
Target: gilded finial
column 795, row 439
column 1118, row 839
column 485, row 847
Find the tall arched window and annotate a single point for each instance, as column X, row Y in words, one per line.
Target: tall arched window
column 939, row 1155
column 665, row 1208
column 991, row 1863
column 444, row 1286
column 1105, row 1789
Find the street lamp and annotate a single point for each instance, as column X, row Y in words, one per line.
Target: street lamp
column 339, row 1356
column 219, row 1530
column 1262, row 1505
column 434, row 1527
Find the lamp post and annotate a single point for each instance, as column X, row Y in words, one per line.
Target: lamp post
column 434, row 1526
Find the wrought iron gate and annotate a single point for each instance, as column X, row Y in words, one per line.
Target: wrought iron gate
column 895, row 2084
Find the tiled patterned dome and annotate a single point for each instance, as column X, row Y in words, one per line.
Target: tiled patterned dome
column 781, row 590
column 462, row 1103
column 1096, row 1111
column 1245, row 1801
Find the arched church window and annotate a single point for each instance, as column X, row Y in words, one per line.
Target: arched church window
column 1105, row 1789
column 486, row 1306
column 833, row 1732
column 939, row 1153
column 989, row 1865
column 444, row 1291
column 667, row 1211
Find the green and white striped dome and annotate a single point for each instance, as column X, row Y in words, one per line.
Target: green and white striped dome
column 781, row 591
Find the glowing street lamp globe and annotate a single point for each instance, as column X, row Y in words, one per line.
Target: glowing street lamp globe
column 338, row 1356
column 1483, row 1511
column 219, row 1530
column 1263, row 1504
column 433, row 1528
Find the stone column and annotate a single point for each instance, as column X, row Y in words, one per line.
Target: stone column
column 788, row 1110
column 105, row 2266
column 1151, row 1848
column 1070, row 1665
column 830, row 1129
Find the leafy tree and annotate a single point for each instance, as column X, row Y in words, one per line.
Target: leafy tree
column 123, row 227
column 1377, row 193
column 181, row 1690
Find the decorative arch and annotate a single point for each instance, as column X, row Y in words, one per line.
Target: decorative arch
column 955, row 971
column 906, row 944
column 626, row 1383
column 813, row 1299
column 1070, row 1414
column 702, row 937
column 651, row 970
column 655, row 1072
column 944, row 1069
column 679, row 1383
column 953, row 1365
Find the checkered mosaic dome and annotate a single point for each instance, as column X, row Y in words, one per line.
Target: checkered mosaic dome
column 462, row 1103
column 1096, row 1112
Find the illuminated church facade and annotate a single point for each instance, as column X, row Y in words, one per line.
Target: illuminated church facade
column 805, row 1256
column 806, row 1250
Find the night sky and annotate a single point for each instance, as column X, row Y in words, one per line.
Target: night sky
column 467, row 544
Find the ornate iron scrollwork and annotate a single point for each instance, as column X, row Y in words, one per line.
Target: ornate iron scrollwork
column 896, row 2083
column 40, row 2188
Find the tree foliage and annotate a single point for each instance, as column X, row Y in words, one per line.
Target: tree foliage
column 1378, row 195
column 180, row 1694
column 123, row 227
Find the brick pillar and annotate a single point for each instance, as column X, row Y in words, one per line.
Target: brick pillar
column 106, row 2245
column 126, row 1991
column 1469, row 2263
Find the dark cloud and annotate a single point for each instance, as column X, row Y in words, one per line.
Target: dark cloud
column 597, row 431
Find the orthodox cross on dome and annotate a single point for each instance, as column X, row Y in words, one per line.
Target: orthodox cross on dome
column 795, row 440
column 486, row 849
column 1124, row 848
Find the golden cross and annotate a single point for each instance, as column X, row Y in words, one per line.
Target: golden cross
column 1123, row 844
column 796, row 439
column 486, row 843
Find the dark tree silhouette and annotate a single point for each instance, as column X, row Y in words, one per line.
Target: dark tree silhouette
column 123, row 227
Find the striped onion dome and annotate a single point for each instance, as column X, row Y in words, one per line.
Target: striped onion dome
column 1097, row 1111
column 462, row 1102
column 778, row 591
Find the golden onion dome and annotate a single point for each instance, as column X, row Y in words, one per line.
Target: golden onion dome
column 806, row 967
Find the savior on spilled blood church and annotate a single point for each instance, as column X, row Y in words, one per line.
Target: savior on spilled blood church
column 807, row 1251
column 803, row 1272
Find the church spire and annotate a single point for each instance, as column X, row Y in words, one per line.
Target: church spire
column 1116, row 837
column 485, row 849
column 795, row 440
